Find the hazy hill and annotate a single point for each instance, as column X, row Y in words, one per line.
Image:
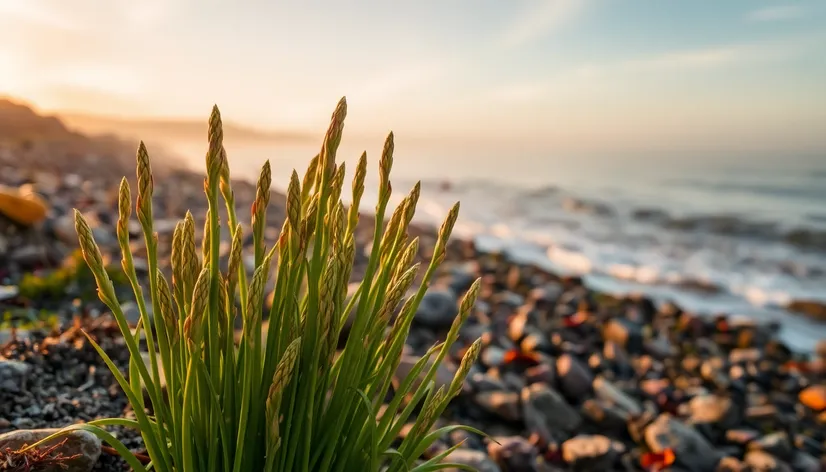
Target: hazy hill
column 172, row 129
column 36, row 139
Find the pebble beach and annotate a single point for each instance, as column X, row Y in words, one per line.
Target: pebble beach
column 569, row 378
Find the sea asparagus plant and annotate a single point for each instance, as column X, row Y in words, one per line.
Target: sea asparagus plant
column 286, row 400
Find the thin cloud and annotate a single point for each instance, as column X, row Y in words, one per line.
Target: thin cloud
column 776, row 13
column 679, row 61
column 540, row 20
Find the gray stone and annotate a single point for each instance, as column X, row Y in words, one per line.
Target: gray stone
column 692, row 451
column 86, row 446
column 610, row 393
column 714, row 409
column 13, row 371
column 762, row 461
column 503, row 404
column 548, row 414
column 586, row 452
column 625, row 333
column 575, row 378
column 443, row 378
column 437, row 309
column 513, row 453
column 805, row 462
column 476, row 459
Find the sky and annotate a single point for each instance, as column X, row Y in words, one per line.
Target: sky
column 541, row 76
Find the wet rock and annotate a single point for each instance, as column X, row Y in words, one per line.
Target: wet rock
column 462, row 276
column 608, row 418
column 513, row 453
column 438, row 309
column 660, row 348
column 714, row 409
column 692, row 451
column 585, row 452
column 575, row 378
column 86, row 446
column 503, row 404
column 542, row 373
column 28, row 256
column 443, row 378
column 484, row 382
column 478, row 460
column 730, row 464
column 548, row 414
column 493, row 356
column 761, row 461
column 777, row 444
column 625, row 333
column 739, row 355
column 613, row 395
column 803, row 462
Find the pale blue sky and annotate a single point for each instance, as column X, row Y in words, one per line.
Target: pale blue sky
column 568, row 75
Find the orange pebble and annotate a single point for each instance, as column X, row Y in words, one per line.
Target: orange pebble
column 814, row 397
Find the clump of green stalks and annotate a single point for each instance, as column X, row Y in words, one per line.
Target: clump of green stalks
column 286, row 401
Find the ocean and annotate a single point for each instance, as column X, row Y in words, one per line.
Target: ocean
column 713, row 235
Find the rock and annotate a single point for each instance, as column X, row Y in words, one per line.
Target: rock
column 542, row 373
column 29, row 255
column 443, row 378
column 86, row 446
column 513, row 453
column 714, row 409
column 610, row 393
column 503, row 404
column 609, row 418
column 12, row 374
column 438, row 309
column 586, row 452
column 804, row 462
column 814, row 397
column 625, row 333
column 548, row 414
column 691, row 450
column 22, row 205
column 493, row 356
column 740, row 355
column 659, row 348
column 730, row 464
column 761, row 461
column 477, row 460
column 64, row 228
column 462, row 276
column 777, row 444
column 575, row 378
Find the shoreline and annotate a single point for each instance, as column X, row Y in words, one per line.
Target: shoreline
column 568, row 379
